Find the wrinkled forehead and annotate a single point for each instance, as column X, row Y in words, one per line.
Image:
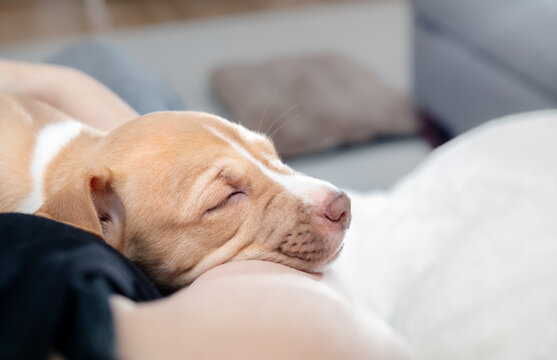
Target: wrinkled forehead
column 187, row 146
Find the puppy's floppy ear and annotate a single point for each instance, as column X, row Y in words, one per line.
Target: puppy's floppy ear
column 91, row 205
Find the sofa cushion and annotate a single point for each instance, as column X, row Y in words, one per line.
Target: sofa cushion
column 514, row 34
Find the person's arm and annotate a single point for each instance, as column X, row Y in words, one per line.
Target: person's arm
column 69, row 90
column 251, row 310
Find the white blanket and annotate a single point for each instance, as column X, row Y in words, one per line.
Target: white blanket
column 461, row 256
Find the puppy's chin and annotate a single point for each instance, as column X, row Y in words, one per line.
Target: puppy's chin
column 315, row 262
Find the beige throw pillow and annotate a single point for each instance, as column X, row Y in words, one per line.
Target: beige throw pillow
column 313, row 102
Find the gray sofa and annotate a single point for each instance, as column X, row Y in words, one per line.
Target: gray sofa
column 476, row 60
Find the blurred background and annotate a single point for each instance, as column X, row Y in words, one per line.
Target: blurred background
column 38, row 19
column 355, row 92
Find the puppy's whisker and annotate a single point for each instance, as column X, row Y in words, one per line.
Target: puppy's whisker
column 284, row 124
column 267, row 108
column 270, row 127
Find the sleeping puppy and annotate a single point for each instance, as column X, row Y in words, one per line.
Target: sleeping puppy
column 176, row 192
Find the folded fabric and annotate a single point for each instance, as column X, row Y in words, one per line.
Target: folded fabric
column 55, row 281
column 312, row 102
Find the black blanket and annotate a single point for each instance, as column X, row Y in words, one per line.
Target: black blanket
column 55, row 281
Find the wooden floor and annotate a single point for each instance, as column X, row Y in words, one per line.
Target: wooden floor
column 22, row 20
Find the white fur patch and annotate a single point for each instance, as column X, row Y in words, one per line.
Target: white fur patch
column 249, row 136
column 50, row 140
column 308, row 189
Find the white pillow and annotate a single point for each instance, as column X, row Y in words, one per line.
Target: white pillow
column 461, row 256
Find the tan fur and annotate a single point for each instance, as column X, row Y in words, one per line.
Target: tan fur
column 147, row 186
column 19, row 123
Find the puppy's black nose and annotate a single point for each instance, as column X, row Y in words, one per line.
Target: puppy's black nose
column 338, row 210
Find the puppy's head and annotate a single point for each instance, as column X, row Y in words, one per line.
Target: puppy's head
column 180, row 193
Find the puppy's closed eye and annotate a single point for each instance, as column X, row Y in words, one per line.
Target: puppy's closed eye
column 232, row 198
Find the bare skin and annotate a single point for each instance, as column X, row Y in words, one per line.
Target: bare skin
column 251, row 310
column 239, row 310
column 69, row 90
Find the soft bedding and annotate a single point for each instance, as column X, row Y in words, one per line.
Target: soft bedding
column 460, row 257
